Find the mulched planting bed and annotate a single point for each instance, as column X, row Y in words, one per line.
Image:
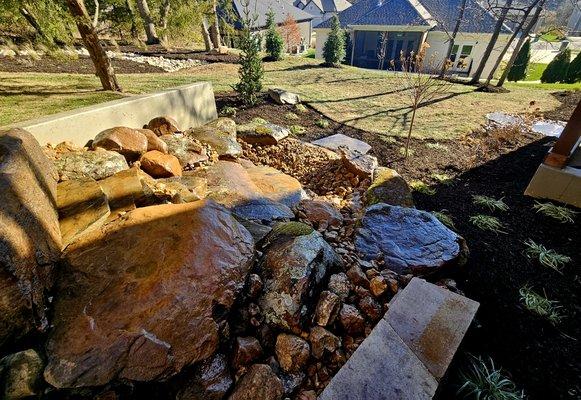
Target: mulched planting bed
column 540, row 357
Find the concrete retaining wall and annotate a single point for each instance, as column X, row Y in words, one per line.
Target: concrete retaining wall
column 191, row 105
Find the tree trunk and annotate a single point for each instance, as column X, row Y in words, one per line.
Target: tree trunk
column 206, row 34
column 96, row 15
column 215, row 28
column 524, row 34
column 103, row 67
column 150, row 32
column 453, row 38
column 31, row 19
column 492, row 42
column 517, row 30
column 134, row 33
column 164, row 15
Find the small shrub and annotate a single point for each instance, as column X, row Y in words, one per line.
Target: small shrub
column 490, row 203
column 444, row 179
column 322, row 123
column 483, row 381
column 547, row 257
column 541, row 305
column 422, row 187
column 558, row 69
column 334, row 47
column 403, row 152
column 228, row 111
column 273, row 43
column 260, row 121
column 487, row 223
column 297, row 129
column 437, row 146
column 561, row 214
column 389, row 139
column 300, row 108
column 310, row 53
column 291, row 116
column 445, row 219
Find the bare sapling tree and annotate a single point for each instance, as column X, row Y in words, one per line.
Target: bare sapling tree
column 103, row 67
column 493, row 39
column 382, row 53
column 418, row 81
column 163, row 19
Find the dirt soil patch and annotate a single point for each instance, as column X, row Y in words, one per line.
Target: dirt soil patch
column 498, row 163
column 81, row 65
column 182, row 54
column 569, row 100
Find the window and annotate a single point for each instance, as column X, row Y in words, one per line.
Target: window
column 460, row 56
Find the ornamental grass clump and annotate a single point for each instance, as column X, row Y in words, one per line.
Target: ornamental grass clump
column 490, row 203
column 444, row 218
column 547, row 257
column 541, row 305
column 483, row 381
column 422, row 187
column 487, row 223
column 561, row 214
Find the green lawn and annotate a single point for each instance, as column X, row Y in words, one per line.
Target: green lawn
column 370, row 100
column 535, row 71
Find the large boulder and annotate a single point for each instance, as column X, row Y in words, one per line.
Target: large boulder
column 389, row 187
column 160, row 165
column 21, row 375
column 142, row 297
column 127, row 141
column 261, row 134
column 163, row 125
column 153, row 141
column 221, row 135
column 210, row 380
column 282, row 96
column 294, row 266
column 230, row 184
column 259, row 383
column 276, row 185
column 358, row 163
column 81, row 164
column 409, row 240
column 188, row 151
column 30, row 240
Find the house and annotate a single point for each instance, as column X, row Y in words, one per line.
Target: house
column 574, row 24
column 281, row 8
column 322, row 10
column 389, row 27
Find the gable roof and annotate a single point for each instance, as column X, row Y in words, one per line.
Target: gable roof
column 439, row 14
column 260, row 8
column 330, row 5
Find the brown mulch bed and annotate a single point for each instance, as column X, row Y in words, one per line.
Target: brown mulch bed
column 540, row 358
column 82, row 65
column 569, row 100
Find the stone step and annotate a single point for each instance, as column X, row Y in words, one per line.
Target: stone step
column 409, row 350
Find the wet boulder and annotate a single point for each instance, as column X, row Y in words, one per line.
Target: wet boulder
column 142, row 297
column 296, row 261
column 30, row 240
column 210, row 380
column 409, row 240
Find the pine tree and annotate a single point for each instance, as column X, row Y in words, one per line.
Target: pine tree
column 334, row 48
column 273, row 42
column 557, row 69
column 348, row 48
column 251, row 70
column 518, row 71
column 574, row 73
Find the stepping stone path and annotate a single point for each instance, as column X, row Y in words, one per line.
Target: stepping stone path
column 407, row 353
column 335, row 141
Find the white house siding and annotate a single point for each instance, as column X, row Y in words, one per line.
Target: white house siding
column 321, row 35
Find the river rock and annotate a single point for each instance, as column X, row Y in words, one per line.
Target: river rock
column 259, row 383
column 262, row 134
column 282, row 96
column 370, row 307
column 357, row 162
column 30, row 240
column 190, row 153
column 292, row 352
column 295, row 264
column 210, row 381
column 21, row 375
column 221, row 135
column 124, row 190
column 320, row 211
column 245, row 350
column 351, row 320
column 153, row 141
column 340, row 285
column 127, row 141
column 160, row 165
column 276, row 185
column 409, row 240
column 81, row 164
column 322, row 341
column 230, row 184
column 389, row 187
column 142, row 297
column 327, row 308
column 163, row 126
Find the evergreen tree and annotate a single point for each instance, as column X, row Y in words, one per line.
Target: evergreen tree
column 557, row 69
column 348, row 48
column 334, row 48
column 574, row 73
column 273, row 42
column 251, row 69
column 518, row 71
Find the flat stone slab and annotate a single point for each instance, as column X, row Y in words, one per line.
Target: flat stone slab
column 334, row 141
column 409, row 350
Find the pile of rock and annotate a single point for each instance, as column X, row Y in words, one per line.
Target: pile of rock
column 196, row 260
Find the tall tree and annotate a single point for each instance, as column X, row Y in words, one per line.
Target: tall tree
column 163, row 17
column 518, row 71
column 334, row 47
column 103, row 67
column 251, row 69
column 273, row 42
column 574, row 74
column 452, row 39
column 290, row 33
column 215, row 26
column 206, row 34
column 148, row 22
column 497, row 29
column 558, row 69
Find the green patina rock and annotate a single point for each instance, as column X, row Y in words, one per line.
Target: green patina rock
column 389, row 187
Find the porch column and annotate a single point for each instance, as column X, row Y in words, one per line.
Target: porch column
column 562, row 149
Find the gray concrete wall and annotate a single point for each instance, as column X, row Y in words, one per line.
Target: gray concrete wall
column 191, row 105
